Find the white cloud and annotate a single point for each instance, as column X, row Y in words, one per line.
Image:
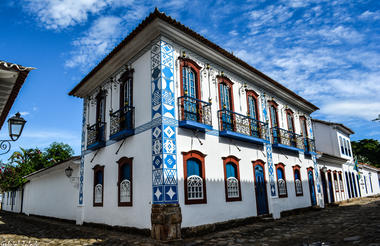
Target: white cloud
column 24, row 113
column 370, row 15
column 58, row 14
column 365, row 108
column 96, row 43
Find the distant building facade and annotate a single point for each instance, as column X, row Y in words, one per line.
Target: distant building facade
column 339, row 178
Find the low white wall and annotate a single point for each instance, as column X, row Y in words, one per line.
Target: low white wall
column 52, row 194
column 12, row 205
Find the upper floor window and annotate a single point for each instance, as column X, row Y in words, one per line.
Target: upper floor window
column 349, row 147
column 341, row 145
column 252, row 99
column 273, row 113
column 290, row 120
column 281, row 180
column 297, row 180
column 126, row 88
column 125, row 181
column 190, row 79
column 345, row 146
column 303, row 126
column 226, row 93
column 98, row 185
column 232, row 178
column 194, row 176
column 101, row 107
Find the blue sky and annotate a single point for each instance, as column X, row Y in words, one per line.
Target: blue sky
column 326, row 51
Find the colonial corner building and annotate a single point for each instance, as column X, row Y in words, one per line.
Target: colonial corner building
column 179, row 133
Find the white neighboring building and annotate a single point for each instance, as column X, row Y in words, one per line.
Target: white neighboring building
column 339, row 177
column 11, row 201
column 48, row 192
column 172, row 121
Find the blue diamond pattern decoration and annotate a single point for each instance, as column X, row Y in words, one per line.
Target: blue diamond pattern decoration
column 157, row 161
column 170, row 161
column 169, row 132
column 167, row 72
column 171, row 193
column 156, row 73
column 164, row 167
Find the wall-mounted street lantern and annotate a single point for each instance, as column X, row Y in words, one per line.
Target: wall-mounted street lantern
column 15, row 126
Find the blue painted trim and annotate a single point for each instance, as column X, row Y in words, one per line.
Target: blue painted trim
column 194, row 125
column 242, row 137
column 283, row 146
column 96, row 145
column 122, row 134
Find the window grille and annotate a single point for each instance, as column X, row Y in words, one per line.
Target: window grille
column 194, row 187
column 98, row 193
column 125, row 191
column 298, row 187
column 281, row 187
column 232, row 187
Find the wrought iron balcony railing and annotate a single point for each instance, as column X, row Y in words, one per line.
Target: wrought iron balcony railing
column 287, row 138
column 309, row 145
column 241, row 124
column 192, row 110
column 122, row 122
column 96, row 135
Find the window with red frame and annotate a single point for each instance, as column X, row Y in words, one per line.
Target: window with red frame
column 232, row 178
column 281, row 180
column 98, row 186
column 194, row 177
column 125, row 181
column 297, row 180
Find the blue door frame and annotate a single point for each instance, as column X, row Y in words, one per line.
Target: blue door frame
column 332, row 198
column 311, row 187
column 260, row 188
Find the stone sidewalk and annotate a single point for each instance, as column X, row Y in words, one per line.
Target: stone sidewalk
column 354, row 223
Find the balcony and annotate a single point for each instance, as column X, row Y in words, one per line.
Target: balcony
column 241, row 127
column 122, row 123
column 286, row 139
column 194, row 114
column 309, row 146
column 96, row 136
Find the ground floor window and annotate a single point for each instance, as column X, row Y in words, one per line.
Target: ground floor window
column 98, row 185
column 125, row 181
column 281, row 180
column 194, row 177
column 232, row 178
column 297, row 180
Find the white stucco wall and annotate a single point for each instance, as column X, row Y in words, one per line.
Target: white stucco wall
column 9, row 205
column 51, row 193
column 138, row 215
column 137, row 146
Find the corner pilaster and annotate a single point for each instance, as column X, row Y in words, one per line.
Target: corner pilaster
column 166, row 214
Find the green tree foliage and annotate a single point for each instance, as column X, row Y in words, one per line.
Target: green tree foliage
column 367, row 151
column 26, row 161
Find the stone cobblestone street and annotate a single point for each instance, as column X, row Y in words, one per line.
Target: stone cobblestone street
column 353, row 223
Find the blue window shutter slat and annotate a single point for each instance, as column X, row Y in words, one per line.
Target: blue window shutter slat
column 193, row 167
